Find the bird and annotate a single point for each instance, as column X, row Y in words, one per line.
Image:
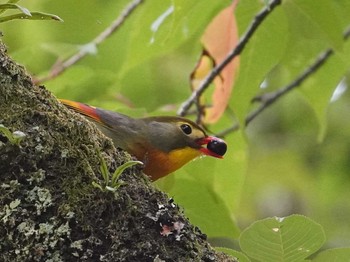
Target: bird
column 162, row 143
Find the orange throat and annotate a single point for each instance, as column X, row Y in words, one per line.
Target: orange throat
column 159, row 164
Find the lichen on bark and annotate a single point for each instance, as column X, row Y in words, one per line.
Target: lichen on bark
column 49, row 210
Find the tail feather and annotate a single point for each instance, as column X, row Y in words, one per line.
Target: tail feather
column 86, row 110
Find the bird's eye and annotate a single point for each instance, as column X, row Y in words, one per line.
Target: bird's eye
column 186, row 129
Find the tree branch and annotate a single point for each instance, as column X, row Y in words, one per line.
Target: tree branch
column 270, row 98
column 259, row 18
column 59, row 68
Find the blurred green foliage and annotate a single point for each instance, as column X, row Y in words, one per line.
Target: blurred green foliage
column 293, row 158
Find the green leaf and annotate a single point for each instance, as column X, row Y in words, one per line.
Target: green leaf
column 82, row 83
column 112, row 189
column 293, row 238
column 4, row 7
column 307, row 36
column 151, row 92
column 166, row 26
column 334, row 255
column 229, row 174
column 321, row 20
column 7, row 133
column 33, row 16
column 234, row 253
column 205, row 208
column 12, row 1
column 121, row 169
column 261, row 54
column 94, row 184
column 342, row 9
column 15, row 138
column 318, row 89
column 224, row 176
column 104, row 170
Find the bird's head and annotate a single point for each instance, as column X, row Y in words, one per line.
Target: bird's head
column 173, row 133
column 174, row 142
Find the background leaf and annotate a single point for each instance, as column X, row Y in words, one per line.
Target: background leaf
column 4, row 7
column 336, row 255
column 239, row 255
column 199, row 199
column 259, row 57
column 293, row 238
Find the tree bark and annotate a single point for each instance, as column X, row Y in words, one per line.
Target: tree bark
column 49, row 209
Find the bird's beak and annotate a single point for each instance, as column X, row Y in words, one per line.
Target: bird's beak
column 216, row 147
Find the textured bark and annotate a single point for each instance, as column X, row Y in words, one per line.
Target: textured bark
column 49, row 210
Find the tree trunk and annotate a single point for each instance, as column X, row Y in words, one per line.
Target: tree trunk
column 49, row 209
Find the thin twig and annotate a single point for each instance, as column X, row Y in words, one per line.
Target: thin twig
column 61, row 67
column 270, row 98
column 259, row 18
